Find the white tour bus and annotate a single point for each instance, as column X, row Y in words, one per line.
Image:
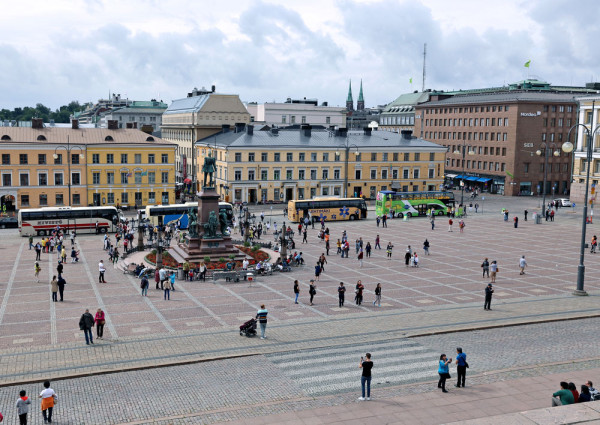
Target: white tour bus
column 41, row 221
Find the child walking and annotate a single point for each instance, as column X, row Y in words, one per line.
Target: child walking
column 37, row 270
column 23, row 407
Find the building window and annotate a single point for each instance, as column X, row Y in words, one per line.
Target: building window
column 251, row 175
column 59, row 200
column 151, row 177
column 124, row 178
column 110, row 178
column 75, row 179
column 43, row 179
column 395, row 156
column 7, row 179
column 24, row 200
column 336, row 174
column 303, row 119
column 95, row 178
column 313, row 157
column 407, row 156
column 289, row 157
column 417, row 156
column 124, row 198
column 313, row 174
column 264, row 157
column 5, row 159
column 394, row 174
column 110, row 158
column 43, row 200
column 164, row 158
column 238, row 157
column 283, row 119
column 110, row 198
column 301, row 157
column 405, row 173
column 325, row 173
column 358, row 157
column 24, row 179
column 150, row 158
column 75, row 158
column 277, row 157
column 301, row 174
column 277, row 175
column 327, row 120
column 416, row 173
column 325, row 157
column 151, row 197
column 164, row 177
column 42, row 158
column 385, row 156
column 432, row 172
column 373, row 173
column 293, row 119
column 373, row 156
column 264, row 174
column 237, row 175
column 384, row 174
column 289, row 174
column 358, row 174
column 95, row 158
column 138, row 158
column 251, row 157
column 276, row 193
column 23, row 159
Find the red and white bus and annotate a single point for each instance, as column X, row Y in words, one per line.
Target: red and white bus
column 41, row 221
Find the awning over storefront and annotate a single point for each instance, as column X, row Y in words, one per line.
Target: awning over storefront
column 471, row 179
column 450, row 176
column 483, row 179
column 459, row 177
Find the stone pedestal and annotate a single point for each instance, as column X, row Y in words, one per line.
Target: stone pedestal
column 196, row 249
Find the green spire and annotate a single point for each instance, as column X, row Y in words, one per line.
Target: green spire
column 349, row 92
column 360, row 95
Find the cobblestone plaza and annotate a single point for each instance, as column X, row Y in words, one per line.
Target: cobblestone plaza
column 311, row 351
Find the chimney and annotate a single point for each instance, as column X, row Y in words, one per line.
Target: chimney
column 341, row 132
column 74, row 124
column 225, row 128
column 306, row 130
column 406, row 134
column 275, row 131
column 129, row 125
column 239, row 127
column 37, row 123
column 367, row 131
column 213, row 88
column 113, row 124
column 250, row 130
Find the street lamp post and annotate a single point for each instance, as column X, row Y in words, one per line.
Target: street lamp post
column 347, row 146
column 590, row 132
column 462, row 186
column 68, row 149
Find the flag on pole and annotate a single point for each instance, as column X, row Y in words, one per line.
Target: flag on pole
column 508, row 173
column 410, row 80
column 527, row 63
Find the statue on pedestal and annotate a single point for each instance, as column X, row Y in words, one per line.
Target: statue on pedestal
column 209, row 169
column 193, row 226
column 210, row 228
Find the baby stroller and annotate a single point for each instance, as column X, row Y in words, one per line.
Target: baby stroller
column 249, row 328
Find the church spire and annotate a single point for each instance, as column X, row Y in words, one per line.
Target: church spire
column 349, row 100
column 360, row 104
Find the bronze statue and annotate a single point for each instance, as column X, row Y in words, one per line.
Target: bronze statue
column 210, row 228
column 193, row 226
column 209, row 169
column 223, row 221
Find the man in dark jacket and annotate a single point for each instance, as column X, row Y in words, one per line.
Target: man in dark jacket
column 61, row 286
column 489, row 290
column 86, row 323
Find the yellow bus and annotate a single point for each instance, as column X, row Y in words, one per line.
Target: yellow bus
column 327, row 208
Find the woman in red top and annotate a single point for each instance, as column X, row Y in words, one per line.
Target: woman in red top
column 99, row 320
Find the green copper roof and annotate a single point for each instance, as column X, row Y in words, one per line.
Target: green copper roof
column 360, row 95
column 349, row 92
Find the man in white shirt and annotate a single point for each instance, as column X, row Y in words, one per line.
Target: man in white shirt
column 522, row 264
column 245, row 264
column 101, row 269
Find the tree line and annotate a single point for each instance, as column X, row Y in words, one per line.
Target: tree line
column 60, row 115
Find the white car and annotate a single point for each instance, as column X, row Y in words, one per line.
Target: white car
column 563, row 202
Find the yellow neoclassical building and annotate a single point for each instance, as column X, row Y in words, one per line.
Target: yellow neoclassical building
column 57, row 166
column 283, row 164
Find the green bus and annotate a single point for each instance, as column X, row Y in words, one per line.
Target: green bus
column 413, row 204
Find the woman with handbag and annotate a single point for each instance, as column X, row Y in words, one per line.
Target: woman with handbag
column 443, row 372
column 99, row 319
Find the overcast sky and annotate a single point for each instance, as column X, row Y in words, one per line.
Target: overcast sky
column 57, row 51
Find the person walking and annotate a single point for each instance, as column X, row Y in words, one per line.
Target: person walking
column 38, row 252
column 384, row 221
column 172, row 279
column 368, row 249
column 450, row 223
column 377, row 246
column 407, row 256
column 144, row 284
column 432, row 221
column 323, row 261
column 493, row 270
column 365, row 379
column 317, row 270
column 341, row 293
column 525, row 214
column 167, row 290
column 377, row 295
column 359, row 292
column 101, row 270
column 54, row 289
column 100, row 321
column 388, row 250
column 37, row 269
column 48, row 397
column 489, row 290
column 59, row 268
column 443, row 372
column 312, row 291
column 516, row 221
column 61, row 282
column 415, row 260
column 461, row 367
column 296, row 291
column 522, row 264
column 426, row 247
column 261, row 315
column 304, row 236
column 485, row 266
column 594, row 244
column 23, row 404
column 360, row 257
column 86, row 323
